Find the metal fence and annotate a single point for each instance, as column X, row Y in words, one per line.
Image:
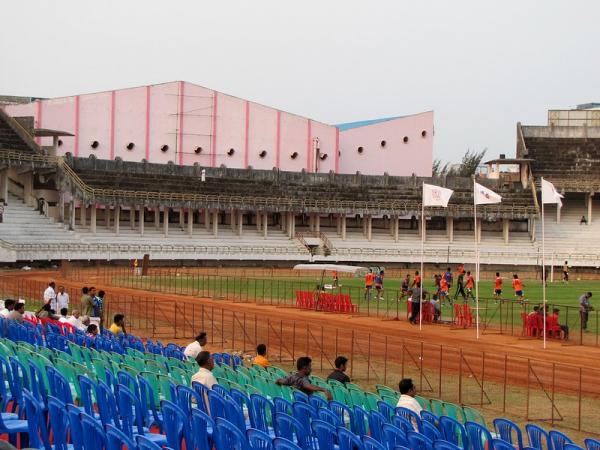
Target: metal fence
column 496, row 317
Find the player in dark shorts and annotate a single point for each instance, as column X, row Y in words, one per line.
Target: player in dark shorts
column 405, row 287
column 498, row 287
column 379, row 285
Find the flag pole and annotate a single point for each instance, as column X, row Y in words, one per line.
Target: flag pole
column 422, row 256
column 476, row 261
column 543, row 266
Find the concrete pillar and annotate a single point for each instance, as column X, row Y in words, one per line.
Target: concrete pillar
column 107, row 216
column 343, row 226
column 132, row 217
column 265, row 224
column 338, row 224
column 232, row 215
column 72, row 215
column 117, row 218
column 450, row 228
column 317, row 223
column 396, row 228
column 157, row 217
column 258, row 217
column 478, row 230
column 288, row 228
column 558, row 208
column 28, row 189
column 207, row 219
column 532, row 228
column 141, row 219
column 93, row 218
column 283, row 217
column 61, row 206
column 190, row 222
column 240, row 223
column 4, row 187
column 82, row 214
column 181, row 218
column 590, row 196
column 422, row 227
column 369, row 227
column 166, row 221
column 364, row 225
column 215, row 223
column 293, row 226
column 505, row 230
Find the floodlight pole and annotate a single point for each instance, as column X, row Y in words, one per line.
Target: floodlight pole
column 544, row 266
column 476, row 261
column 422, row 256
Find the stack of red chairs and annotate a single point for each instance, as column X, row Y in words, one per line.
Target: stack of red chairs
column 553, row 328
column 327, row 302
column 459, row 319
column 428, row 310
column 305, row 300
column 467, row 316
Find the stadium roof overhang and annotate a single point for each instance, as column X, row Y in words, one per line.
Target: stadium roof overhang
column 331, row 267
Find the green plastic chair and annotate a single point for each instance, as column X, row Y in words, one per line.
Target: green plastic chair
column 423, row 402
column 437, row 407
column 472, row 415
column 454, row 411
column 371, row 401
column 389, row 399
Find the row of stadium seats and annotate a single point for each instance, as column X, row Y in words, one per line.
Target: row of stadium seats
column 113, row 398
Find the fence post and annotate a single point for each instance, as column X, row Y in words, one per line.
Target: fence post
column 352, row 354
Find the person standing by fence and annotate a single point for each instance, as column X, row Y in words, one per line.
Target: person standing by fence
column 584, row 309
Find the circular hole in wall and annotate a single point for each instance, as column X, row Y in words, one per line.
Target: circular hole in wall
column 198, row 150
column 130, row 146
column 95, row 144
column 294, row 155
column 231, row 152
column 323, row 156
column 263, row 154
column 60, row 142
column 164, row 148
column 383, row 143
column 423, row 133
column 405, row 139
column 360, row 149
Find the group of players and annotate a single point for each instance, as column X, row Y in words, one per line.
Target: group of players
column 465, row 283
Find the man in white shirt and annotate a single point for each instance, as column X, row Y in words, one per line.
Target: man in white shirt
column 204, row 375
column 193, row 349
column 9, row 305
column 62, row 299
column 407, row 396
column 50, row 295
column 76, row 321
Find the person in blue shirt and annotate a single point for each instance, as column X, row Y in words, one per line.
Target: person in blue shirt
column 379, row 285
column 448, row 277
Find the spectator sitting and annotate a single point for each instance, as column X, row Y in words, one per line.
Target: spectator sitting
column 204, row 375
column 338, row 373
column 92, row 331
column 17, row 313
column 76, row 321
column 564, row 328
column 46, row 312
column 583, row 221
column 118, row 325
column 407, row 396
column 63, row 315
column 9, row 305
column 193, row 349
column 300, row 379
column 261, row 356
column 437, row 310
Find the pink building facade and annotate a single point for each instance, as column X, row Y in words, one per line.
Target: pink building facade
column 185, row 124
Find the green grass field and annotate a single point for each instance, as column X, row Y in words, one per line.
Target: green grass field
column 281, row 291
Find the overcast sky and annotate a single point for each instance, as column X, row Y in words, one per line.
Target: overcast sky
column 480, row 65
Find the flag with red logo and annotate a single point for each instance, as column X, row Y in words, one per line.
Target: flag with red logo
column 436, row 195
column 485, row 196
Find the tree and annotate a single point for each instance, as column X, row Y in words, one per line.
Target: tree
column 468, row 166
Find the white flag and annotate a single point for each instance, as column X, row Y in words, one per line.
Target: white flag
column 550, row 194
column 485, row 196
column 436, row 195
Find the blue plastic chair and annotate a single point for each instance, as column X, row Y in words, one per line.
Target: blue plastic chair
column 393, row 436
column 411, row 416
column 500, row 444
column 348, row 440
column 188, row 398
column 376, row 421
column 217, row 405
column 59, row 386
column 284, row 444
column 221, row 390
column 176, row 426
column 73, row 415
column 325, row 433
column 361, row 420
column 304, row 413
column 202, row 429
column 147, row 396
column 403, row 423
column 371, row 444
column 146, row 444
column 261, row 413
column 6, row 397
column 59, row 422
column 259, row 440
column 13, row 426
column 330, row 417
column 291, row 429
column 428, row 416
column 116, row 439
column 572, row 447
column 283, row 405
column 132, row 417
column 317, row 402
column 88, row 390
column 107, row 405
column 445, row 445
column 344, row 414
column 235, row 415
column 418, row 441
column 559, row 440
column 95, row 437
column 300, row 397
column 453, row 431
column 478, row 435
column 386, row 410
column 537, row 436
column 229, row 437
column 509, row 431
column 240, row 398
column 431, row 431
column 38, row 383
column 592, row 444
column 36, row 423
column 126, row 379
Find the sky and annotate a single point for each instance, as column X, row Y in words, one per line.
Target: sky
column 481, row 66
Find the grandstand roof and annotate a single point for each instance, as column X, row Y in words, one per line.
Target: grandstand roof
column 364, row 123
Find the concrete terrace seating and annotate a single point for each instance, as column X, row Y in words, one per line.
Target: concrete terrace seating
column 564, row 157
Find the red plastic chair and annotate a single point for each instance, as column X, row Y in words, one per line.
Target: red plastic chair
column 526, row 331
column 467, row 316
column 553, row 328
column 458, row 315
